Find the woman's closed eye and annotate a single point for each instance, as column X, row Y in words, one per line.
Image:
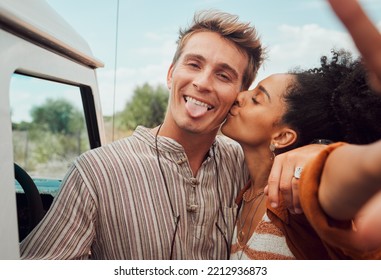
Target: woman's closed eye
column 254, row 99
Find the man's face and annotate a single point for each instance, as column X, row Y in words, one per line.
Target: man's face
column 204, row 82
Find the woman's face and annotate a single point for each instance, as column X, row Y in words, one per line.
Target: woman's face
column 255, row 116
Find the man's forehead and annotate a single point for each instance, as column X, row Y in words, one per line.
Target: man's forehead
column 211, row 45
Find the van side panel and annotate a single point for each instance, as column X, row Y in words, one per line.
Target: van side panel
column 9, row 248
column 21, row 56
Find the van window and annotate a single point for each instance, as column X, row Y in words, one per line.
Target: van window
column 48, row 125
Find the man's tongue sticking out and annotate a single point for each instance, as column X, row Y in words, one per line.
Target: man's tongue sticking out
column 195, row 110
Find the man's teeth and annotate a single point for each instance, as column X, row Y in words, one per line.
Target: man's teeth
column 197, row 102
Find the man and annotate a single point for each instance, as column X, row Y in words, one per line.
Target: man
column 167, row 192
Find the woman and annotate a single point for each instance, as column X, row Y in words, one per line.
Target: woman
column 283, row 112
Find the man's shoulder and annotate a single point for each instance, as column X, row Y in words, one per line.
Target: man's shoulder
column 227, row 143
column 119, row 148
column 230, row 148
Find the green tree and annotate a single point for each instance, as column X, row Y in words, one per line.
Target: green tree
column 57, row 131
column 147, row 107
column 58, row 116
column 22, row 126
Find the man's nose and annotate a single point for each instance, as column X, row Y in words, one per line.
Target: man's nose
column 203, row 81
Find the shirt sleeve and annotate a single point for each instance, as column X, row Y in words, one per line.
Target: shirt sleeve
column 338, row 236
column 68, row 228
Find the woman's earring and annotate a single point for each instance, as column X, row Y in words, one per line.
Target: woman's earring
column 272, row 149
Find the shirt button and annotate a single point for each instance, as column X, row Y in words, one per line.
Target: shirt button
column 194, row 181
column 192, row 207
column 181, row 161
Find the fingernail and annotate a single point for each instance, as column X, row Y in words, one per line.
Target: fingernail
column 274, row 204
column 298, row 211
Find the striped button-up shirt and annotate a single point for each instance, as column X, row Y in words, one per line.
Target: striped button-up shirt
column 113, row 203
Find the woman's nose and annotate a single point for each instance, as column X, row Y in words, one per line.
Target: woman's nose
column 240, row 100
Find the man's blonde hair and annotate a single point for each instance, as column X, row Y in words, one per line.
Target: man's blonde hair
column 227, row 25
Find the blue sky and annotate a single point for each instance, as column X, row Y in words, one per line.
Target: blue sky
column 295, row 32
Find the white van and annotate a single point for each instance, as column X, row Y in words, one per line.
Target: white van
column 49, row 112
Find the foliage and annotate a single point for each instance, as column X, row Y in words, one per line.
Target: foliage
column 22, row 126
column 56, row 134
column 147, row 107
column 58, row 116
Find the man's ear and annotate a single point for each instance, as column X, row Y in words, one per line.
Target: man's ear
column 285, row 137
column 169, row 76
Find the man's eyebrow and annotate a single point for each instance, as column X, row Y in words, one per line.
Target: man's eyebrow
column 230, row 69
column 194, row 56
column 261, row 88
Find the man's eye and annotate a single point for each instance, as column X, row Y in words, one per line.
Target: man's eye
column 193, row 65
column 224, row 76
column 254, row 100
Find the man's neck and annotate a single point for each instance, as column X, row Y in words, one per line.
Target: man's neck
column 196, row 146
